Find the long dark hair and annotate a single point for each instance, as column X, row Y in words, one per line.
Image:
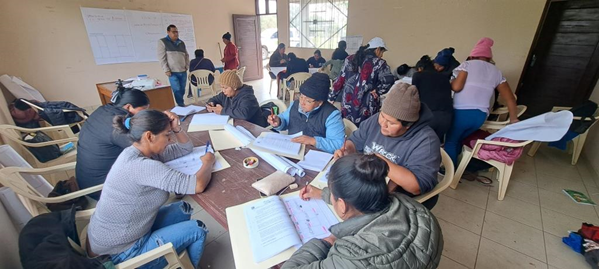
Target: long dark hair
column 360, row 181
column 146, row 120
column 135, row 98
column 360, row 56
column 426, row 63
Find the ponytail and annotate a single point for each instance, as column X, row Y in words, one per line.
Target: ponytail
column 360, row 56
column 150, row 120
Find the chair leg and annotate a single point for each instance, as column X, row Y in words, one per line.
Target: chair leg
column 185, row 261
column 578, row 144
column 270, row 90
column 534, row 148
column 505, row 173
column 291, row 95
column 466, row 156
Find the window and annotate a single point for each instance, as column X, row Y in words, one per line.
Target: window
column 317, row 23
column 266, row 7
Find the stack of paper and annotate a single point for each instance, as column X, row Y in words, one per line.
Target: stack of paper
column 228, row 138
column 187, row 110
column 315, row 160
column 191, row 163
column 208, row 121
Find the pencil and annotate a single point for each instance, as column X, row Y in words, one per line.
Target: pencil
column 344, row 144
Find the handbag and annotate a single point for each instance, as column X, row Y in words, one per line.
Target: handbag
column 42, row 154
column 65, row 187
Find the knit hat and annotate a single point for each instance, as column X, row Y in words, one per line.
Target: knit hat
column 483, row 48
column 403, row 102
column 444, row 56
column 231, row 79
column 316, row 87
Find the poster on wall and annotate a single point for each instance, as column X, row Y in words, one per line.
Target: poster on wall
column 354, row 43
column 125, row 36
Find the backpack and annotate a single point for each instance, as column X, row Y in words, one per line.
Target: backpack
column 266, row 109
column 585, row 111
column 42, row 154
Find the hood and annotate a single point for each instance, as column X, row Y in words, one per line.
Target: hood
column 244, row 91
column 426, row 116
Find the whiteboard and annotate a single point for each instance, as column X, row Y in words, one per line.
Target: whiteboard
column 126, row 36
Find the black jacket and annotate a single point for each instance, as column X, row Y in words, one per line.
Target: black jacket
column 296, row 66
column 434, row 89
column 98, row 147
column 243, row 106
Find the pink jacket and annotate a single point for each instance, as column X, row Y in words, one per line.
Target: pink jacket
column 502, row 154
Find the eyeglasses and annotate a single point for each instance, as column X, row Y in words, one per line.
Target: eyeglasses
column 175, row 32
column 305, row 99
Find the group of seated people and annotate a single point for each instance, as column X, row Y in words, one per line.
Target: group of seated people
column 125, row 145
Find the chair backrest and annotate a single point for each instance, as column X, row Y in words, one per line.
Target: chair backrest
column 241, row 72
column 350, row 127
column 299, row 79
column 10, row 158
column 282, row 106
column 202, row 77
column 444, row 183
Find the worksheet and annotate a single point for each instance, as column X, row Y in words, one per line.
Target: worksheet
column 278, row 143
column 191, row 163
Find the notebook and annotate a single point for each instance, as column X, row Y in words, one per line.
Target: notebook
column 279, row 144
column 208, row 121
column 321, row 180
column 315, row 160
column 191, row 163
column 267, row 231
column 187, row 110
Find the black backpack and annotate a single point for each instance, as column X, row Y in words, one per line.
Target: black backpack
column 585, row 112
column 266, row 109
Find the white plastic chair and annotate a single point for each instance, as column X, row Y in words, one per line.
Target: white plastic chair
column 444, row 183
column 578, row 142
column 298, row 80
column 241, row 72
column 282, row 107
column 267, row 66
column 502, row 119
column 203, row 83
column 350, row 127
column 504, row 170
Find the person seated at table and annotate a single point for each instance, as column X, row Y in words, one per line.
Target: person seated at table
column 236, row 100
column 400, row 135
column 99, row 146
column 320, row 121
column 435, row 91
column 316, row 61
column 379, row 229
column 278, row 58
column 294, row 65
column 131, row 217
column 340, row 53
column 200, row 63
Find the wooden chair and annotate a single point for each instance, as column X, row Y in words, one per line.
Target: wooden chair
column 203, row 83
column 504, row 170
column 444, row 183
column 350, row 127
column 502, row 118
column 298, row 80
column 578, row 142
column 33, row 200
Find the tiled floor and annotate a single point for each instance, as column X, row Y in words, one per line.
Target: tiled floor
column 522, row 231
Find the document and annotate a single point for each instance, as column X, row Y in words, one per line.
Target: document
column 187, row 110
column 191, row 163
column 223, row 139
column 276, row 224
column 315, row 160
column 278, row 143
column 208, row 121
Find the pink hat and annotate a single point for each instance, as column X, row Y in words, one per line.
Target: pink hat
column 483, row 48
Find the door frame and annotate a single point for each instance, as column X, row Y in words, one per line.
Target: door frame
column 258, row 43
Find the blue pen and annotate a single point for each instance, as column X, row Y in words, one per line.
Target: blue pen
column 207, row 146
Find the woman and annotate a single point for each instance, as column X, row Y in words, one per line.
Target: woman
column 474, row 83
column 99, row 146
column 435, row 92
column 316, row 61
column 379, row 229
column 236, row 100
column 445, row 63
column 230, row 60
column 130, row 219
column 364, row 78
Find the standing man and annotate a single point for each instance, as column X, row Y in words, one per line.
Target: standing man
column 174, row 61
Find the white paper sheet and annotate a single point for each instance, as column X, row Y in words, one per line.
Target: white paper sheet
column 270, row 228
column 191, row 163
column 312, row 218
column 315, row 160
column 208, row 121
column 278, row 143
column 547, row 127
column 186, row 110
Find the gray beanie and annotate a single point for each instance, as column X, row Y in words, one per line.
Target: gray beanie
column 316, row 87
column 403, row 102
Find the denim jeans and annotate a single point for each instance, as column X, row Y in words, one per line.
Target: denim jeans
column 172, row 224
column 464, row 123
column 178, row 82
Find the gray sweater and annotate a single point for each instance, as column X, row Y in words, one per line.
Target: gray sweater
column 134, row 190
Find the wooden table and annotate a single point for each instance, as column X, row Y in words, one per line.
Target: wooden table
column 232, row 186
column 161, row 97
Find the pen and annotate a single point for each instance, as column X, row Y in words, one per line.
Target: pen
column 272, row 111
column 344, row 144
column 207, row 146
column 191, row 113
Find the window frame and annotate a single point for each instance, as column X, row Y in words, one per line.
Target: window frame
column 302, row 36
column 266, row 6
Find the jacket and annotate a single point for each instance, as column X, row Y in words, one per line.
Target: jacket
column 231, row 59
column 405, row 235
column 172, row 55
column 296, row 66
column 335, row 68
column 243, row 106
column 275, row 59
column 98, row 147
column 54, row 113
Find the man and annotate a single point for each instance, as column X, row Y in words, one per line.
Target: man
column 278, row 58
column 340, row 53
column 400, row 135
column 174, row 61
column 316, row 61
column 320, row 121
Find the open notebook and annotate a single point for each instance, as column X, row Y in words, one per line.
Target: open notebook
column 266, row 232
column 279, row 144
column 208, row 121
column 191, row 163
